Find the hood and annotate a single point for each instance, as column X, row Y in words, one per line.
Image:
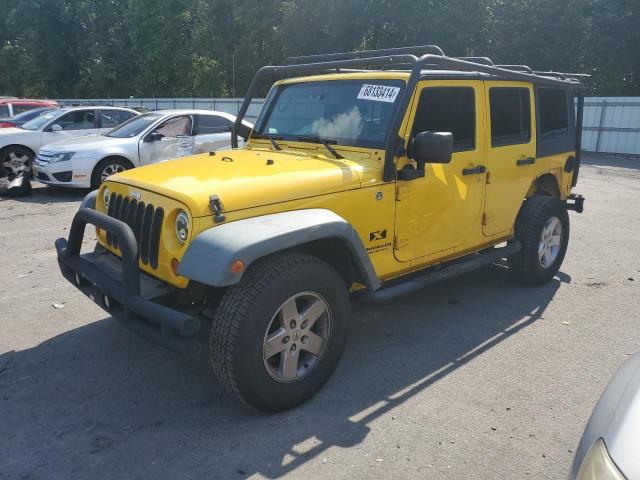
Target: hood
column 87, row 142
column 244, row 178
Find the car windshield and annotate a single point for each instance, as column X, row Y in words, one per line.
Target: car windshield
column 39, row 122
column 30, row 114
column 344, row 112
column 134, row 126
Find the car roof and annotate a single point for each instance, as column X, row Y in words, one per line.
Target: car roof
column 37, row 101
column 93, row 107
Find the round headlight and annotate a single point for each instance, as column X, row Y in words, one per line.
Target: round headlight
column 182, row 226
column 105, row 197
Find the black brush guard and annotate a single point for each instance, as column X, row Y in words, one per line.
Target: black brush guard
column 123, row 297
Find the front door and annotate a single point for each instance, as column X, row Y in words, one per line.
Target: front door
column 77, row 123
column 510, row 153
column 442, row 210
column 173, row 138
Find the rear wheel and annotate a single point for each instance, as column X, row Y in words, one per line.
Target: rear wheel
column 16, row 161
column 106, row 168
column 542, row 227
column 277, row 337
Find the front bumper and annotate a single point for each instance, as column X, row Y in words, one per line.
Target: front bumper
column 117, row 285
column 62, row 174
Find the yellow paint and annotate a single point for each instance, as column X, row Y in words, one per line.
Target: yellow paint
column 427, row 221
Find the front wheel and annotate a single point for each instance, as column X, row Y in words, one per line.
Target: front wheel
column 542, row 227
column 105, row 168
column 278, row 335
column 16, row 161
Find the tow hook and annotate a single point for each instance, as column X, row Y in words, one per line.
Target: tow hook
column 575, row 202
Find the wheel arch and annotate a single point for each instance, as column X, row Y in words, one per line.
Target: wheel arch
column 547, row 185
column 115, row 157
column 14, row 145
column 318, row 232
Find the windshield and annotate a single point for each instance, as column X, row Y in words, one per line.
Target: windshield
column 39, row 122
column 134, row 126
column 344, row 112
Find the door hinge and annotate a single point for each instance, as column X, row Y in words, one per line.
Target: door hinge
column 402, row 192
column 486, row 218
column 489, row 177
column 400, row 240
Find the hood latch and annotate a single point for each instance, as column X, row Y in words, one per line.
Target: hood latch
column 216, row 207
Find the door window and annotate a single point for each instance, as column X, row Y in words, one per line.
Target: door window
column 208, row 124
column 4, row 110
column 448, row 109
column 510, row 110
column 77, row 120
column 113, row 118
column 175, row 127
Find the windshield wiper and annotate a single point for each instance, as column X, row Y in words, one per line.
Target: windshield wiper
column 270, row 138
column 324, row 142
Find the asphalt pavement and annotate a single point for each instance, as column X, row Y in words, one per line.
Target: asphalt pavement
column 473, row 378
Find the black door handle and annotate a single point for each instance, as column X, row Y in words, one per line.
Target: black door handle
column 526, row 161
column 474, row 170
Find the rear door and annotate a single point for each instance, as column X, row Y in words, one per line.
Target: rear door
column 511, row 153
column 212, row 132
column 108, row 119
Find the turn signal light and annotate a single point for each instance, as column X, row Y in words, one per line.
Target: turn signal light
column 174, row 266
column 237, row 266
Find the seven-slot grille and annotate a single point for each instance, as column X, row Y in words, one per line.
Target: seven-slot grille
column 144, row 220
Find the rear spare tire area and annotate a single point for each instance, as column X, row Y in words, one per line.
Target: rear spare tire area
column 277, row 336
column 542, row 226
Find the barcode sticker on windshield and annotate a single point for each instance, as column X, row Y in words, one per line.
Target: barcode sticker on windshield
column 378, row 93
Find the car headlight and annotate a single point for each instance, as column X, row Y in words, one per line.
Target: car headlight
column 61, row 157
column 105, row 197
column 597, row 465
column 182, row 226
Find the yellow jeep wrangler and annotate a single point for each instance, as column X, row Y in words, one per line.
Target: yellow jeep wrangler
column 371, row 174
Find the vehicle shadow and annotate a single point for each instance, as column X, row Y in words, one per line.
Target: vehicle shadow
column 43, row 194
column 98, row 401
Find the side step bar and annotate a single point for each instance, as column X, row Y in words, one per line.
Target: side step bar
column 435, row 275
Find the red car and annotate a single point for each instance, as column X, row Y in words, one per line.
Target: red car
column 10, row 107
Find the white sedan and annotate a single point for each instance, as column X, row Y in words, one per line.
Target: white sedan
column 18, row 146
column 148, row 138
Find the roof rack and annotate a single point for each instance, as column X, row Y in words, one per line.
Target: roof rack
column 329, row 57
column 517, row 68
column 416, row 58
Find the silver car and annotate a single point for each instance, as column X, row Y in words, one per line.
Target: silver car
column 610, row 446
column 147, row 138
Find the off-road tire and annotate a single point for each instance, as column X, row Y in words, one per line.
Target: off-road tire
column 525, row 266
column 96, row 175
column 243, row 317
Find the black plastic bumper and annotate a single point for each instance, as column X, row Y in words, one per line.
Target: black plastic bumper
column 130, row 298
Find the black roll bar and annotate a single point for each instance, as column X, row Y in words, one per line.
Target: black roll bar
column 432, row 56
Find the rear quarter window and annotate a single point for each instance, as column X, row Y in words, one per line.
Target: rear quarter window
column 556, row 121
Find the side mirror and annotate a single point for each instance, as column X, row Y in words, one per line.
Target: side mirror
column 55, row 128
column 153, row 137
column 427, row 147
column 432, row 147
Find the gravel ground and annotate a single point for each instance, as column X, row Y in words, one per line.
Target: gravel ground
column 474, row 378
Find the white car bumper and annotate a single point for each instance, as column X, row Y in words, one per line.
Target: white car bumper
column 64, row 174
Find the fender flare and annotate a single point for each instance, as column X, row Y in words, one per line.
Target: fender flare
column 89, row 200
column 209, row 256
